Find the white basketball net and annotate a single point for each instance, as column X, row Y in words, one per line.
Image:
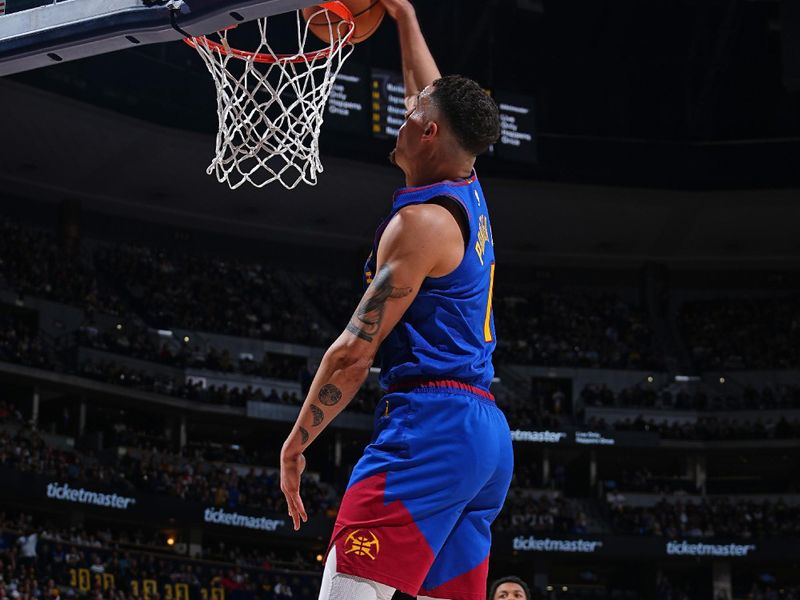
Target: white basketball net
column 271, row 106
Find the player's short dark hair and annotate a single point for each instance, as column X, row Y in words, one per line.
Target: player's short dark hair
column 509, row 579
column 469, row 110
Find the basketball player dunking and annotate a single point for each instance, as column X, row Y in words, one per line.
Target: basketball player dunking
column 418, row 508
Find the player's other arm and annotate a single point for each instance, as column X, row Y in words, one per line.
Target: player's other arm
column 419, row 67
column 419, row 241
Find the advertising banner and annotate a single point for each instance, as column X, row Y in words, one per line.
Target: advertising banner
column 643, row 548
column 573, row 437
column 105, row 500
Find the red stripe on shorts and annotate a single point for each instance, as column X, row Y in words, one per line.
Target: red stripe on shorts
column 415, row 384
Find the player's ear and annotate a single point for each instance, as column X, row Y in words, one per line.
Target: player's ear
column 430, row 131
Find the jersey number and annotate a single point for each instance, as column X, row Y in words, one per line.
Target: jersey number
column 487, row 324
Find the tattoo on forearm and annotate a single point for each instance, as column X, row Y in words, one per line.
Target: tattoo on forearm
column 317, row 414
column 330, row 395
column 366, row 321
column 303, row 435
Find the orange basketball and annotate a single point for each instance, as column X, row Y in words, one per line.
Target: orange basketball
column 368, row 15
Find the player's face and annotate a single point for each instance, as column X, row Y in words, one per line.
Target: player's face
column 509, row 591
column 412, row 130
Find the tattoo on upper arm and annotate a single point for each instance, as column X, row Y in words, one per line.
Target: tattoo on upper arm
column 317, row 414
column 330, row 395
column 303, row 435
column 366, row 322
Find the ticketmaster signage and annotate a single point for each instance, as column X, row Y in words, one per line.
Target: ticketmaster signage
column 541, row 437
column 587, row 438
column 645, row 548
column 217, row 516
column 593, row 438
column 684, row 548
column 534, row 544
column 37, row 491
column 62, row 491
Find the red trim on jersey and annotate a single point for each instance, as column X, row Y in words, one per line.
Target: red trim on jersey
column 408, row 190
column 409, row 385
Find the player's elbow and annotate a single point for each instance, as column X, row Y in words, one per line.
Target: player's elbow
column 348, row 354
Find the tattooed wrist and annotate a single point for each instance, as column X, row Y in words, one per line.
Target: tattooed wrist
column 303, row 435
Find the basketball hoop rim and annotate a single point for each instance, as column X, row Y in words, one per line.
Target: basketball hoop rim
column 336, row 7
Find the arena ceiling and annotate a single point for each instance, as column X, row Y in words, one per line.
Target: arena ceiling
column 56, row 149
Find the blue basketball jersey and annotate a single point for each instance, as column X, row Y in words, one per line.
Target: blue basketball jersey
column 448, row 331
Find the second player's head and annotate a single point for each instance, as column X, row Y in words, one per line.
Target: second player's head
column 509, row 588
column 453, row 121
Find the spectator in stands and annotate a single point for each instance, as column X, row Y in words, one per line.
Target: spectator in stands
column 578, row 328
column 283, row 589
column 527, row 510
column 157, row 472
column 509, row 588
column 646, row 396
column 27, row 548
column 743, row 333
column 710, row 518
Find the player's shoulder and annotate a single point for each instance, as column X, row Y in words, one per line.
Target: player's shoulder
column 423, row 227
column 429, row 220
column 431, row 213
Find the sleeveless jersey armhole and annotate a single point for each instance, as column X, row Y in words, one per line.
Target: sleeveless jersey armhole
column 462, row 218
column 459, row 212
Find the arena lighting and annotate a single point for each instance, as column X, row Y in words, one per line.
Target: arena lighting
column 722, row 380
column 374, row 370
column 171, row 541
column 119, row 326
column 186, row 339
column 650, row 379
column 319, row 558
column 686, row 378
column 165, row 333
column 495, row 380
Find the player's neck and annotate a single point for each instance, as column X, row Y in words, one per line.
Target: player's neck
column 433, row 172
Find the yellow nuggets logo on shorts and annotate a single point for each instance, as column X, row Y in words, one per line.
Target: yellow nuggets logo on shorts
column 362, row 544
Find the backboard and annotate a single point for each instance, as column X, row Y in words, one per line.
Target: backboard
column 73, row 29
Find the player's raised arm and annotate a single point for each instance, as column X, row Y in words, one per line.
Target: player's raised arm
column 411, row 249
column 419, row 67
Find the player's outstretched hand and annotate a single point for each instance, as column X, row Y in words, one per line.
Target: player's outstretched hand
column 398, row 8
column 292, row 467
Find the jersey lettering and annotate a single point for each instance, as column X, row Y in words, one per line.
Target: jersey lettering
column 483, row 237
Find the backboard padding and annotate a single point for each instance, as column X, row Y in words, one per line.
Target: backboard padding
column 74, row 29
